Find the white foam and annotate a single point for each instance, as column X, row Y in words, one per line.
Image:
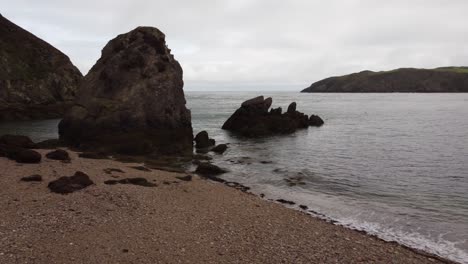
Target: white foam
column 440, row 247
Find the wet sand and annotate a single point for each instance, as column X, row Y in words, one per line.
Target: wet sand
column 197, row 221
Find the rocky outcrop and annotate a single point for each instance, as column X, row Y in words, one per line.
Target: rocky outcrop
column 202, row 140
column 132, row 101
column 252, row 119
column 18, row 148
column 37, row 81
column 439, row 80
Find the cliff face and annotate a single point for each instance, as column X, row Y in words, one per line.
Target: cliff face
column 36, row 80
column 440, row 80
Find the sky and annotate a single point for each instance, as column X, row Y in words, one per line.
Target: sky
column 260, row 44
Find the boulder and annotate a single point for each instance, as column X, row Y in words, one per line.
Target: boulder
column 26, row 156
column 315, row 120
column 37, row 81
column 252, row 119
column 202, row 140
column 132, row 100
column 205, row 168
column 58, row 154
column 66, row 185
column 17, row 141
column 220, row 149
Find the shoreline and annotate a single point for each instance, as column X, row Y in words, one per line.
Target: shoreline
column 193, row 221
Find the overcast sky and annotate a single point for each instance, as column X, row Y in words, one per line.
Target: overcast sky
column 260, row 44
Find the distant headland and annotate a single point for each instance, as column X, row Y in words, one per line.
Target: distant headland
column 405, row 80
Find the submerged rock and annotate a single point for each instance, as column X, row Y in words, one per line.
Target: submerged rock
column 58, row 154
column 132, row 101
column 66, row 185
column 220, row 149
column 283, row 201
column 315, row 120
column 37, row 81
column 252, row 119
column 205, row 168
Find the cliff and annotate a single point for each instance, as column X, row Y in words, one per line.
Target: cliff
column 408, row 80
column 37, row 81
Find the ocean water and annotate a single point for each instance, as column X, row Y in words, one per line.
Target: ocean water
column 393, row 165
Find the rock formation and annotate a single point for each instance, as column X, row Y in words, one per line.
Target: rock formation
column 252, row 119
column 18, row 148
column 202, row 140
column 69, row 184
column 37, row 81
column 439, row 80
column 132, row 101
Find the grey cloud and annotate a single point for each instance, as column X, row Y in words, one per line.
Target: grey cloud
column 261, row 44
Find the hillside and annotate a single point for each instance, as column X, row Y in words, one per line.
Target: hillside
column 36, row 79
column 406, row 80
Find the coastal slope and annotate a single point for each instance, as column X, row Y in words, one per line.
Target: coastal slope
column 407, row 80
column 37, row 81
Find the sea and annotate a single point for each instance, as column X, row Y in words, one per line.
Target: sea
column 393, row 165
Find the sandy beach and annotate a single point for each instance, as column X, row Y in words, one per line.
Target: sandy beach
column 197, row 221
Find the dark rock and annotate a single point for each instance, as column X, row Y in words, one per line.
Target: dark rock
column 266, row 162
column 37, row 81
column 303, row 207
column 315, row 120
column 295, row 180
column 205, row 168
column 252, row 119
column 292, row 107
column 283, row 201
column 32, row 178
column 220, row 149
column 65, row 185
column 276, row 111
column 185, row 178
column 17, row 141
column 93, row 155
column 201, row 157
column 202, row 140
column 132, row 101
column 237, row 186
column 134, row 181
column 111, row 170
column 50, row 144
column 439, row 80
column 141, row 168
column 58, row 154
column 26, row 156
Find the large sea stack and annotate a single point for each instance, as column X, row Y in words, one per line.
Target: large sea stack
column 253, row 119
column 37, row 81
column 132, row 100
column 439, row 80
